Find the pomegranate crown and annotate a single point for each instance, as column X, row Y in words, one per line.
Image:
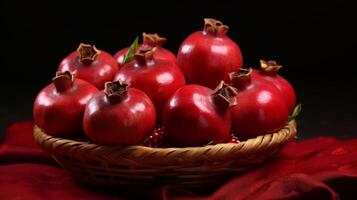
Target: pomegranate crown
column 225, row 95
column 87, row 53
column 270, row 66
column 144, row 54
column 63, row 80
column 242, row 73
column 115, row 88
column 153, row 39
column 214, row 27
column 241, row 77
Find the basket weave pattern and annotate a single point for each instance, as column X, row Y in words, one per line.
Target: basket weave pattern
column 119, row 165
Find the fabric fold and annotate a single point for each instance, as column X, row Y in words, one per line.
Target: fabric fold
column 318, row 168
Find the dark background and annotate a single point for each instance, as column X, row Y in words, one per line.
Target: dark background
column 315, row 41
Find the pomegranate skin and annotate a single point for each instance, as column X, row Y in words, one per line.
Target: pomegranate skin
column 205, row 58
column 193, row 118
column 159, row 79
column 61, row 113
column 260, row 108
column 281, row 83
column 100, row 69
column 127, row 121
column 119, row 56
column 149, row 40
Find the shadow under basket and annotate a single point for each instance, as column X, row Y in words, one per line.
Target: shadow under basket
column 138, row 165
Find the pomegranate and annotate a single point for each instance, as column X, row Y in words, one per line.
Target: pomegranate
column 119, row 115
column 90, row 64
column 196, row 115
column 149, row 40
column 206, row 57
column 159, row 79
column 269, row 71
column 261, row 108
column 59, row 107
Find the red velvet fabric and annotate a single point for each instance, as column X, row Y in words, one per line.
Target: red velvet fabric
column 319, row 168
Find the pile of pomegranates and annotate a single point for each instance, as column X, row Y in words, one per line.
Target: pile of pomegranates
column 145, row 95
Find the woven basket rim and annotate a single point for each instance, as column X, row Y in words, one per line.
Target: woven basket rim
column 151, row 155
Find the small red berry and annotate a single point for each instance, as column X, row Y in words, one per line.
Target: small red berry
column 234, row 139
column 156, row 139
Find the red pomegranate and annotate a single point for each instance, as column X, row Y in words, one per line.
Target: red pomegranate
column 119, row 115
column 206, row 57
column 260, row 109
column 90, row 64
column 196, row 115
column 158, row 78
column 59, row 107
column 149, row 40
column 269, row 71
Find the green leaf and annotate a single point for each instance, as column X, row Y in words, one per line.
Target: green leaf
column 296, row 112
column 129, row 55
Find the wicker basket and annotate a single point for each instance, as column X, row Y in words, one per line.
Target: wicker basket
column 133, row 165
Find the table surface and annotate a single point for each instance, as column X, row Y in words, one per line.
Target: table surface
column 329, row 106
